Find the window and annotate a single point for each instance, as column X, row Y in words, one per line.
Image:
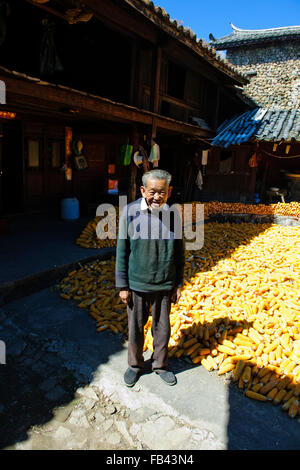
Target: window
column 33, row 153
column 226, row 161
column 55, row 154
column 176, row 80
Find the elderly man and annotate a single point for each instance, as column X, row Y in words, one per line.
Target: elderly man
column 149, row 272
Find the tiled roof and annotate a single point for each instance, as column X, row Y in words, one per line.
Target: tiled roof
column 162, row 19
column 239, row 37
column 259, row 124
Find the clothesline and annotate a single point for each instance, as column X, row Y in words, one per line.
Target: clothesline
column 277, row 156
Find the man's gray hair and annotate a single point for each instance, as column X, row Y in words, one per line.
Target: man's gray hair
column 156, row 175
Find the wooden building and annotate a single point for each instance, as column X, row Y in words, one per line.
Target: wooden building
column 265, row 144
column 270, row 58
column 86, row 81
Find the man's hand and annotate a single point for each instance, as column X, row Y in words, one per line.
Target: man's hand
column 125, row 296
column 176, row 294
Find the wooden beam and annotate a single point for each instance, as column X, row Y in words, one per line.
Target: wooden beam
column 23, row 92
column 48, row 9
column 124, row 19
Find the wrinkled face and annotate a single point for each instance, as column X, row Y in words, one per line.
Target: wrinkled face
column 156, row 193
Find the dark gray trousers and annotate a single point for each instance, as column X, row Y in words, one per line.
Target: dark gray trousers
column 138, row 311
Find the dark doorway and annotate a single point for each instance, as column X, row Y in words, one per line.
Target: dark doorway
column 11, row 168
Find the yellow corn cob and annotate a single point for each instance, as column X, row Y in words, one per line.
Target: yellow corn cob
column 226, row 368
column 256, row 388
column 206, row 364
column 255, row 395
column 102, row 328
column 179, row 353
column 189, row 342
column 263, row 371
column 289, row 368
column 293, row 409
column 229, row 344
column 204, row 351
column 212, row 362
column 226, row 350
column 255, row 370
column 238, row 370
column 268, row 386
column 197, row 359
column 193, row 348
column 246, row 375
column 272, row 393
column 279, row 396
column 271, row 347
column 289, row 394
column 283, row 383
column 297, row 390
column 287, row 403
column 253, row 334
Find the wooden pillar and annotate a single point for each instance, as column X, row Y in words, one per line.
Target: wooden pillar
column 133, row 73
column 157, row 80
column 133, row 170
column 216, row 118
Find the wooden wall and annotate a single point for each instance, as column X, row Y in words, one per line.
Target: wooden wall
column 44, row 187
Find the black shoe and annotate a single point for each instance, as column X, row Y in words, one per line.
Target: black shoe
column 168, row 377
column 131, row 377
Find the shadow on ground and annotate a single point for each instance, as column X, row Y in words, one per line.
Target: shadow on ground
column 53, row 348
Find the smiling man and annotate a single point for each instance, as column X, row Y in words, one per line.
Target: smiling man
column 149, row 272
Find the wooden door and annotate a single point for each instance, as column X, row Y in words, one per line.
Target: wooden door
column 11, row 168
column 34, row 171
column 54, row 177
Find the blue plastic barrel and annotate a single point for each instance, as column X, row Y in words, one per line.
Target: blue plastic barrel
column 70, row 208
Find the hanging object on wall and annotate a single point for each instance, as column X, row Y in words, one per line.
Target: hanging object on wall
column 111, row 169
column 287, row 149
column 275, row 147
column 77, row 146
column 68, row 153
column 253, row 161
column 145, row 162
column 80, row 161
column 138, row 159
column 205, row 154
column 126, row 153
column 7, row 115
column 76, row 15
column 49, row 60
column 154, row 154
column 113, row 186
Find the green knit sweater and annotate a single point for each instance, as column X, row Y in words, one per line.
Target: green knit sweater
column 150, row 264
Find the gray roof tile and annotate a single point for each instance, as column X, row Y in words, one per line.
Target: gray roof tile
column 239, row 37
column 260, row 124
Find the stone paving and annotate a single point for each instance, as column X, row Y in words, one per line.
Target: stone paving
column 46, row 407
column 62, row 388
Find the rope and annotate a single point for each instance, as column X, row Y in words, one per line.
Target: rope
column 277, row 156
